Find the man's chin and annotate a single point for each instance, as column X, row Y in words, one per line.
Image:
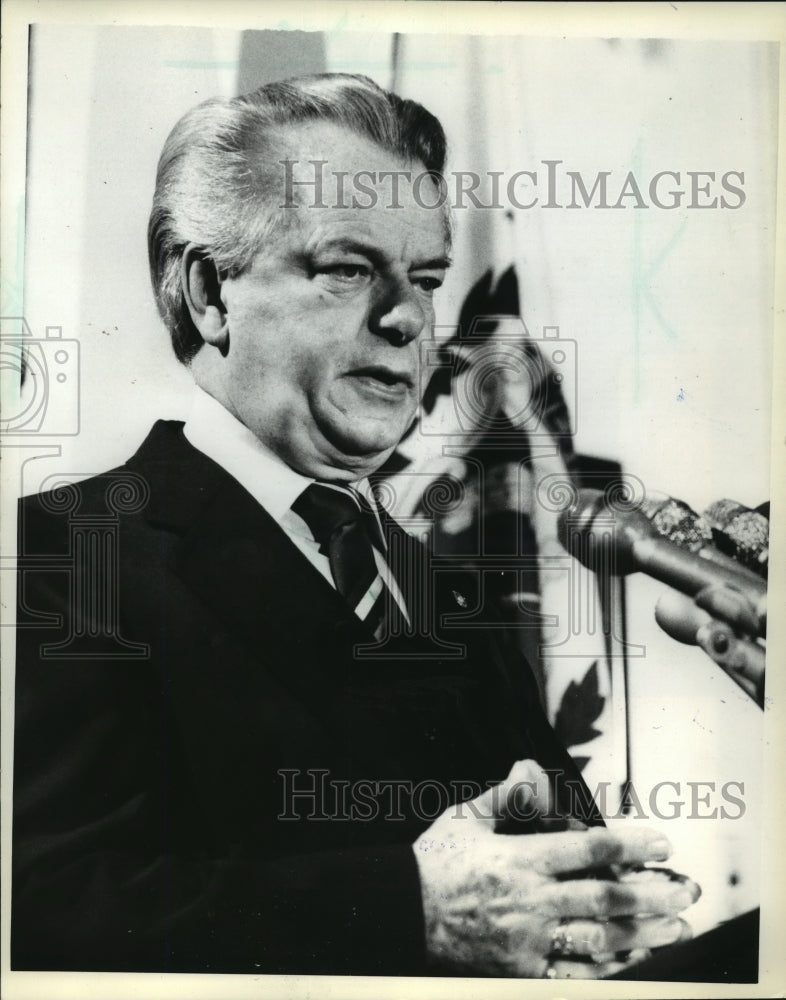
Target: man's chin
column 364, row 435
column 361, row 451
column 360, row 447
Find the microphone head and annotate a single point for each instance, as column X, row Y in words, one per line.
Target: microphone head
column 741, row 533
column 676, row 521
column 600, row 535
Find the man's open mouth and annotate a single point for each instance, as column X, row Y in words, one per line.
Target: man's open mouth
column 379, row 376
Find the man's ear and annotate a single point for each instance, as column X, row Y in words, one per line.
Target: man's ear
column 202, row 291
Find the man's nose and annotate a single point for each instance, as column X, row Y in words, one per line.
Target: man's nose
column 398, row 314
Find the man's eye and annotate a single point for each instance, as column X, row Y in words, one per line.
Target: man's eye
column 348, row 272
column 427, row 283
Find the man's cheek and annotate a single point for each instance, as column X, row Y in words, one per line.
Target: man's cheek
column 290, row 358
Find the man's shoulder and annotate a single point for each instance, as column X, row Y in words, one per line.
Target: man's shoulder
column 122, row 491
column 167, row 486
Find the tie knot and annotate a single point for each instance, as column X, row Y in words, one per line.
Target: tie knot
column 327, row 509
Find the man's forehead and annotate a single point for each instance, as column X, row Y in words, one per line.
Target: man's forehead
column 419, row 238
column 341, row 187
column 338, row 148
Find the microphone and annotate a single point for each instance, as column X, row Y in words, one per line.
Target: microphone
column 679, row 523
column 741, row 659
column 626, row 542
column 740, row 531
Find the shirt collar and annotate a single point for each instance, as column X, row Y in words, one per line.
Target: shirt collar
column 214, row 431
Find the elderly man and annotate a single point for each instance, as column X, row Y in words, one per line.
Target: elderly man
column 294, row 774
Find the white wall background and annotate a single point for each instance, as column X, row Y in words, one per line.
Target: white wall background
column 674, row 371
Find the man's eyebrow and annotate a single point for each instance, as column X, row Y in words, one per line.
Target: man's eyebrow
column 348, row 244
column 435, row 264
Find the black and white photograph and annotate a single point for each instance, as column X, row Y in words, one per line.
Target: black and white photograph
column 392, row 435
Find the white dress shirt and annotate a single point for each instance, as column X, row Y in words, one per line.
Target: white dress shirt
column 214, row 431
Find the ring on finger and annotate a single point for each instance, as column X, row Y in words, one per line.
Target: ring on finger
column 562, row 943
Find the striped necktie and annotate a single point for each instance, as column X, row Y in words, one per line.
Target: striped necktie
column 346, row 528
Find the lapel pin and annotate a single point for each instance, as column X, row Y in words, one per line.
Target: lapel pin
column 460, row 599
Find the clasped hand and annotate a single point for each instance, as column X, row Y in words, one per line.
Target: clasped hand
column 575, row 903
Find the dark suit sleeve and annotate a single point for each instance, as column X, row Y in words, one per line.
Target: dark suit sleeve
column 102, row 881
column 113, row 870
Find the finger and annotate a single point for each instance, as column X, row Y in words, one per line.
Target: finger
column 602, row 940
column 653, row 874
column 603, row 899
column 528, row 791
column 524, row 795
column 562, row 853
column 556, row 824
column 661, row 876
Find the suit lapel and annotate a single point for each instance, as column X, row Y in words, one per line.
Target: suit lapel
column 243, row 566
column 409, row 714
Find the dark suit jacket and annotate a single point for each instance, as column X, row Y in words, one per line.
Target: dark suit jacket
column 181, row 670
